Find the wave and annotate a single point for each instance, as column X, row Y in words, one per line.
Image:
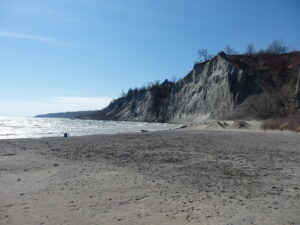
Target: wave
column 50, row 127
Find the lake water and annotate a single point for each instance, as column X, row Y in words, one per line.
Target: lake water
column 49, row 127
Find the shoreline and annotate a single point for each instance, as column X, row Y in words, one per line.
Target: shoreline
column 37, row 128
column 164, row 177
column 207, row 125
column 188, row 128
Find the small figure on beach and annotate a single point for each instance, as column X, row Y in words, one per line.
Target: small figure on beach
column 66, row 135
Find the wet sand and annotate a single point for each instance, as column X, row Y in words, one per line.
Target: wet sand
column 169, row 177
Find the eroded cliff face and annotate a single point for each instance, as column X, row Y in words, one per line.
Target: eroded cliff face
column 213, row 89
column 218, row 89
column 297, row 92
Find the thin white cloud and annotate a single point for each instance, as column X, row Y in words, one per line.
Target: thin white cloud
column 112, row 6
column 82, row 101
column 53, row 105
column 45, row 40
column 34, row 10
column 63, row 16
column 39, row 11
column 125, row 10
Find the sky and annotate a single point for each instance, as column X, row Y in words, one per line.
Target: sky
column 69, row 55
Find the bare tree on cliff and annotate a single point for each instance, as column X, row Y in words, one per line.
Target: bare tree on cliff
column 250, row 50
column 277, row 47
column 229, row 50
column 204, row 55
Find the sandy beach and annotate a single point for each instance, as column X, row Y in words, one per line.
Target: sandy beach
column 169, row 177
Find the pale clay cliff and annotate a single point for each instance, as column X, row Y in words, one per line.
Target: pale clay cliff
column 217, row 89
column 297, row 92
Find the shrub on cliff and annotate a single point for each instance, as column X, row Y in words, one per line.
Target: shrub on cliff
column 291, row 123
column 272, row 105
column 161, row 91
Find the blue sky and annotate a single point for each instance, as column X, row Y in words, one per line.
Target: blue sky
column 65, row 55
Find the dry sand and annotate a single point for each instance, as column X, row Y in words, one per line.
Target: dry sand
column 170, row 177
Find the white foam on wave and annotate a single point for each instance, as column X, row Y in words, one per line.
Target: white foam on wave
column 11, row 128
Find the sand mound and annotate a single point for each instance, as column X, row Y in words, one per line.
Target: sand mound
column 229, row 124
column 211, row 124
column 240, row 125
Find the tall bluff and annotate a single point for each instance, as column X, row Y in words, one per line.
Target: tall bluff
column 220, row 88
